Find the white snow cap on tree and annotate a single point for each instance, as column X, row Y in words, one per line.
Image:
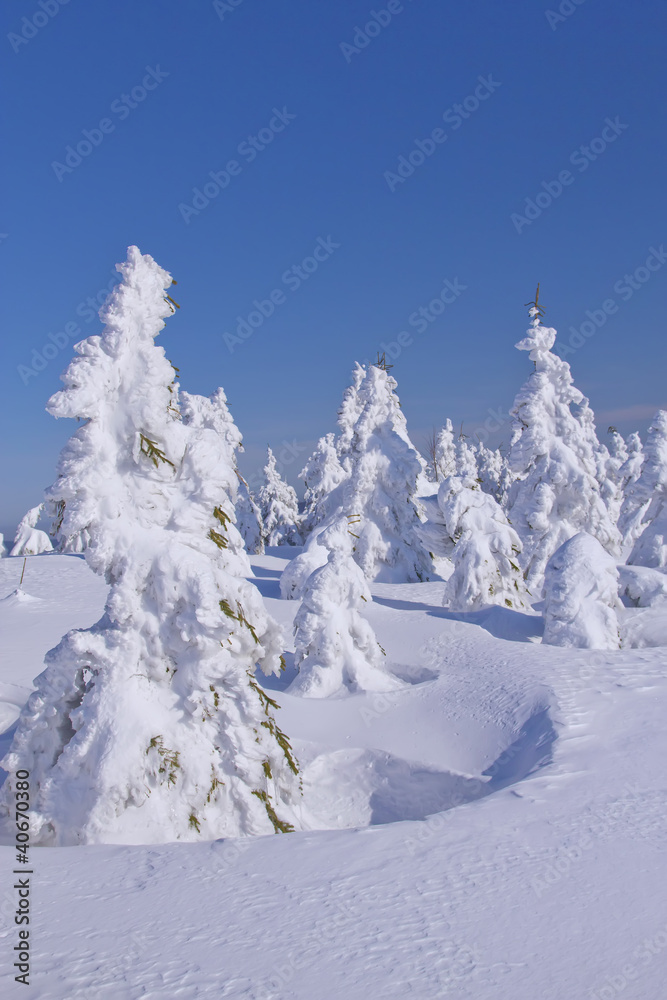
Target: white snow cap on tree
column 150, row 726
column 581, row 596
column 556, row 493
column 486, row 549
column 650, row 494
column 321, row 474
column 279, row 507
column 29, row 540
column 336, row 649
column 633, row 503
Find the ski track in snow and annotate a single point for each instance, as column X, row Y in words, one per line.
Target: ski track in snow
column 543, row 882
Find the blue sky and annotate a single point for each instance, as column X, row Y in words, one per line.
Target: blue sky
column 305, row 121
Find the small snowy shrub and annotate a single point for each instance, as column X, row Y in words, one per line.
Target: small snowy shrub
column 336, row 649
column 29, row 540
column 581, row 596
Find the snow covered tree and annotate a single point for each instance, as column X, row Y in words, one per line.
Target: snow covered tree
column 445, row 452
column 553, row 455
column 321, row 474
column 150, row 726
column 29, row 540
column 618, row 455
column 279, row 507
column 336, row 649
column 379, row 493
column 650, row 495
column 249, row 519
column 348, row 415
column 493, row 473
column 633, row 502
column 485, row 551
column 581, row 596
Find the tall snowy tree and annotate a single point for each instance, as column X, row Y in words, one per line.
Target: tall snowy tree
column 650, row 547
column 581, row 596
column 633, row 503
column 486, row 549
column 150, row 726
column 379, row 493
column 279, row 507
column 348, row 415
column 321, row 474
column 29, row 540
column 336, row 649
column 553, row 455
column 445, row 452
column 249, row 519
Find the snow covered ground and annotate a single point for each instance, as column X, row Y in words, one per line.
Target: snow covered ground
column 494, row 829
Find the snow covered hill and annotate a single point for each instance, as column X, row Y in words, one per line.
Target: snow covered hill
column 492, row 829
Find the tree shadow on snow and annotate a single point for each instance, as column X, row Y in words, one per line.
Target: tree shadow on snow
column 502, row 623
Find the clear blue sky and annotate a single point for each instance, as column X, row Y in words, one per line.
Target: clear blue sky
column 328, row 174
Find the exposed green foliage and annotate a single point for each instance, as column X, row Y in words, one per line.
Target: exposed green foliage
column 278, row 825
column 150, row 449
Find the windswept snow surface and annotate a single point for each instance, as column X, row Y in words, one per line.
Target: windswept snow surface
column 493, row 829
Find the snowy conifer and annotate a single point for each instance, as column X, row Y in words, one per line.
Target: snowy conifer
column 149, row 726
column 633, row 502
column 348, row 415
column 486, row 549
column 650, row 494
column 249, row 519
column 553, row 457
column 29, row 540
column 618, row 455
column 336, row 648
column 445, row 452
column 493, row 473
column 279, row 507
column 581, row 596
column 321, row 474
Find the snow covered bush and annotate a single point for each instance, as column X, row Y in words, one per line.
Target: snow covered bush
column 581, row 596
column 336, row 649
column 485, row 550
column 279, row 507
column 553, row 457
column 29, row 540
column 150, row 726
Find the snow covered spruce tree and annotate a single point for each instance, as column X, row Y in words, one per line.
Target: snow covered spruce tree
column 249, row 519
column 650, row 547
column 321, row 474
column 278, row 506
column 348, row 415
column 150, row 726
column 553, row 457
column 633, row 503
column 445, row 452
column 336, row 649
column 29, row 540
column 485, row 550
column 581, row 596
column 379, row 494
